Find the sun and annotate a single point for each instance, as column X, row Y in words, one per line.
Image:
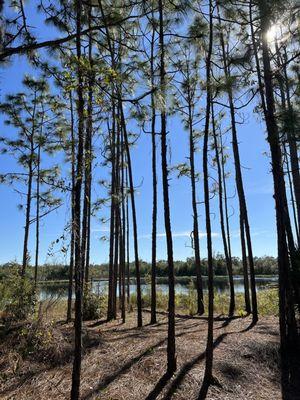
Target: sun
column 273, row 33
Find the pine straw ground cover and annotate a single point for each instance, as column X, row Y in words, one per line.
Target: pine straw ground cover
column 123, row 362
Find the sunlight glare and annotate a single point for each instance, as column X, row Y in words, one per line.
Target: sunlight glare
column 273, row 33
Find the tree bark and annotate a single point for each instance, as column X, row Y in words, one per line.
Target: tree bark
column 288, row 329
column 200, row 304
column 75, row 391
column 239, row 182
column 127, row 241
column 88, row 164
column 171, row 351
column 29, row 194
column 73, row 178
column 221, row 210
column 112, row 218
column 154, row 186
column 209, row 344
column 37, row 227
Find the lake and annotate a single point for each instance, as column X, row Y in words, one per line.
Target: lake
column 182, row 286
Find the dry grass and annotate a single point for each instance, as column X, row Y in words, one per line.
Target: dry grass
column 122, row 362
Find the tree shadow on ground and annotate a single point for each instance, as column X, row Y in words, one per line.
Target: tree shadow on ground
column 109, row 379
column 98, row 323
column 163, row 381
column 25, row 377
column 175, row 384
column 231, row 372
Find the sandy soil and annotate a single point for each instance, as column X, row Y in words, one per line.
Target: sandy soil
column 123, row 362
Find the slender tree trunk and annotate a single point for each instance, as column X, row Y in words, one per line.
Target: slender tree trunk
column 71, row 267
column 116, row 260
column 209, row 344
column 86, row 233
column 127, row 242
column 288, row 329
column 288, row 173
column 27, row 219
column 292, row 141
column 75, row 391
column 130, row 173
column 245, row 266
column 239, row 183
column 221, row 210
column 134, row 222
column 154, row 186
column 200, row 304
column 225, row 199
column 29, row 194
column 171, row 352
column 284, row 148
column 37, row 227
column 123, row 236
column 112, row 218
column 117, row 230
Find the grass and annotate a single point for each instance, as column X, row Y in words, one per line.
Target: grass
column 185, row 303
column 145, row 279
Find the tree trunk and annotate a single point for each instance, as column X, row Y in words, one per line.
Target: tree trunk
column 221, row 210
column 77, row 215
column 245, row 266
column 37, row 227
column 154, row 186
column 117, row 230
column 88, row 164
column 29, row 195
column 293, row 151
column 127, row 242
column 200, row 304
column 71, row 267
column 123, row 236
column 209, row 344
column 288, row 329
column 134, row 221
column 171, row 353
column 131, row 184
column 239, row 183
column 112, row 218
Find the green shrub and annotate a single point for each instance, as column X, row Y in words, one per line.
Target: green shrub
column 18, row 296
column 92, row 305
column 41, row 341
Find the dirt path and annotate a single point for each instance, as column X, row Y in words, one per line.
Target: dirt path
column 122, row 362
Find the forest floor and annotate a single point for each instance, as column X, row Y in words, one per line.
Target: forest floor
column 123, row 362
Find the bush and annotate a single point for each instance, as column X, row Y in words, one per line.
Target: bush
column 41, row 341
column 92, row 305
column 17, row 296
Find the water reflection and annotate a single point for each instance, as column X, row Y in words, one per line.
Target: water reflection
column 220, row 284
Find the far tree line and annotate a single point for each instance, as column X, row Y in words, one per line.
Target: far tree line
column 47, row 272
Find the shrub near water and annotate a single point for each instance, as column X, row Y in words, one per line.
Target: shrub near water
column 42, row 341
column 17, row 296
column 92, row 305
column 187, row 302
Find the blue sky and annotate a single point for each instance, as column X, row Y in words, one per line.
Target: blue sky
column 257, row 182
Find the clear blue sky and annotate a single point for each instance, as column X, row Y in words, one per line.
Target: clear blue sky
column 256, row 173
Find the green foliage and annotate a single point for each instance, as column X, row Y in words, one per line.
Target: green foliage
column 186, row 303
column 17, row 296
column 92, row 305
column 41, row 341
column 268, row 302
column 263, row 266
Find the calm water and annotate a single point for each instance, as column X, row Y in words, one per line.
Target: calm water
column 220, row 284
